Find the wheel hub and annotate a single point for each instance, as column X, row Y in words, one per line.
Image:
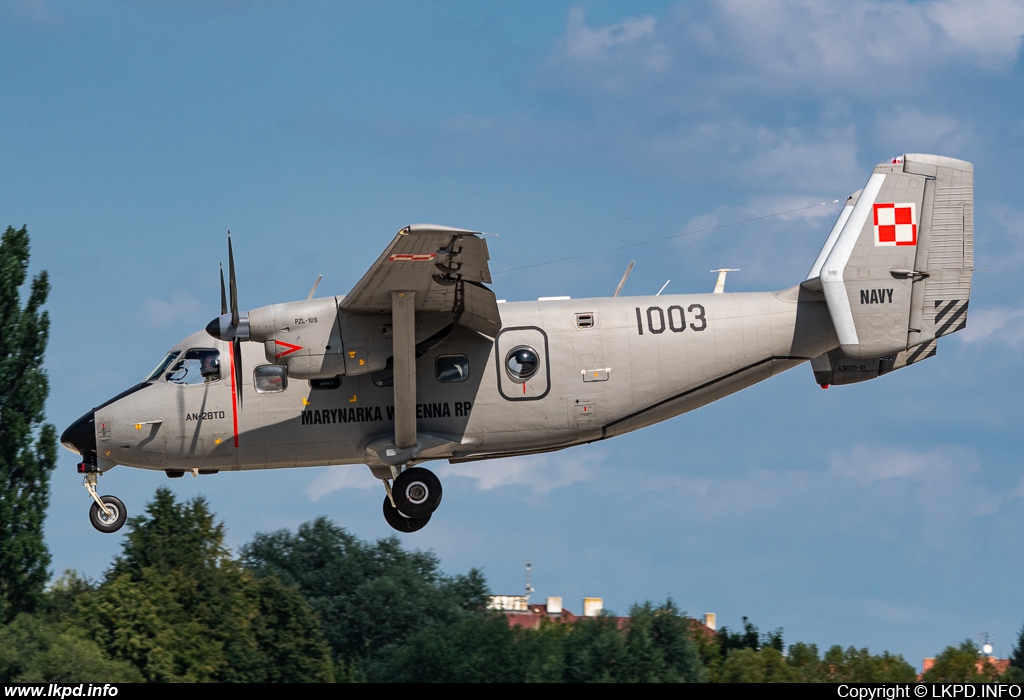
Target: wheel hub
column 417, row 492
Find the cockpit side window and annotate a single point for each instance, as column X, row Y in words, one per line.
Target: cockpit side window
column 196, row 366
column 159, row 370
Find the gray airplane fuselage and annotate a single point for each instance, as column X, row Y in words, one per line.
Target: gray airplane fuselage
column 419, row 361
column 607, row 366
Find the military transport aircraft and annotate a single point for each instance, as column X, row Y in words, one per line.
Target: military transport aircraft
column 420, row 362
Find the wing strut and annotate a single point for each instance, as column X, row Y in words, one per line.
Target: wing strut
column 403, row 319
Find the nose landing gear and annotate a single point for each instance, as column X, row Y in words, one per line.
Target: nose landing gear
column 107, row 513
column 412, row 498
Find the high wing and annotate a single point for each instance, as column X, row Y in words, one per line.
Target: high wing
column 445, row 267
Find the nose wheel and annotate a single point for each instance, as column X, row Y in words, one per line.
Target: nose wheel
column 111, row 519
column 107, row 513
column 412, row 498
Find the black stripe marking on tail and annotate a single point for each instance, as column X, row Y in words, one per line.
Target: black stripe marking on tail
column 940, row 314
column 920, row 351
column 958, row 318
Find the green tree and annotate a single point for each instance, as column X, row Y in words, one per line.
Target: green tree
column 962, row 664
column 1015, row 673
column 369, row 596
column 804, row 664
column 28, row 447
column 852, row 665
column 1017, row 654
column 765, row 665
column 37, row 649
column 478, row 648
column 595, row 649
column 659, row 647
column 179, row 608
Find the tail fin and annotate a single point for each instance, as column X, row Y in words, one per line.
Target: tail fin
column 896, row 269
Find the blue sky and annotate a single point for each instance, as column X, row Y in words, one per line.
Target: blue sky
column 886, row 514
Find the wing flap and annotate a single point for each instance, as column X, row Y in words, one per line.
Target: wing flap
column 446, row 267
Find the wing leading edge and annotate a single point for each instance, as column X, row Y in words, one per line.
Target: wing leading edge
column 445, row 267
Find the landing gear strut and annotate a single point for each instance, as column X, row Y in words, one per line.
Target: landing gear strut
column 412, row 498
column 107, row 513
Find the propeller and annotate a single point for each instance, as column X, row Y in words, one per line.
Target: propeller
column 231, row 326
column 223, row 296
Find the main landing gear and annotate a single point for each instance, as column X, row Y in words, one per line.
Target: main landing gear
column 412, row 498
column 107, row 513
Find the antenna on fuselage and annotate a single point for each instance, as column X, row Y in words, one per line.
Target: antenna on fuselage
column 662, row 288
column 315, row 285
column 629, row 268
column 720, row 282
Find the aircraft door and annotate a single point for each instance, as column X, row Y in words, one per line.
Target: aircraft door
column 524, row 367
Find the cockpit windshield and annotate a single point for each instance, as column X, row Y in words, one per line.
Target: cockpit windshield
column 159, row 369
column 195, row 366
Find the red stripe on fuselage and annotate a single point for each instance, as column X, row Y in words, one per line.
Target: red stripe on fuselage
column 234, row 395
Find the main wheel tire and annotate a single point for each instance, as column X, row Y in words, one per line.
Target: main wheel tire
column 417, row 492
column 399, row 521
column 108, row 523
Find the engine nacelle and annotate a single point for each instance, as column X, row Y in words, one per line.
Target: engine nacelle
column 315, row 339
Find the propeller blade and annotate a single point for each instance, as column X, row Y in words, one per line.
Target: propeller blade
column 223, row 296
column 231, row 284
column 236, row 349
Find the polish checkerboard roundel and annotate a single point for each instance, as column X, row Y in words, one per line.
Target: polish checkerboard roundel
column 895, row 224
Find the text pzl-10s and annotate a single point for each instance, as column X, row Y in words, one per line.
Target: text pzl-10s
column 420, row 362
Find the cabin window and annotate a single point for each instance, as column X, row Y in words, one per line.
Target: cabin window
column 521, row 363
column 196, row 366
column 270, row 379
column 451, row 368
column 164, row 364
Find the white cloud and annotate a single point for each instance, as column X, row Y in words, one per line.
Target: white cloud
column 936, row 483
column 580, row 40
column 348, row 476
column 919, row 131
column 868, row 464
column 990, row 27
column 541, row 473
column 39, row 14
column 815, row 45
column 1000, row 324
column 878, row 491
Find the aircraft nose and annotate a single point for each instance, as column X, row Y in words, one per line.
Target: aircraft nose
column 80, row 436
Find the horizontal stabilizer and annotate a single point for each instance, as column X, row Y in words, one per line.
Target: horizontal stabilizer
column 837, row 368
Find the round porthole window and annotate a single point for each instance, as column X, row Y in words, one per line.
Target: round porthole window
column 521, row 363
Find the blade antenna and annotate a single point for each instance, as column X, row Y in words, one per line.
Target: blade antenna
column 622, row 282
column 315, row 285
